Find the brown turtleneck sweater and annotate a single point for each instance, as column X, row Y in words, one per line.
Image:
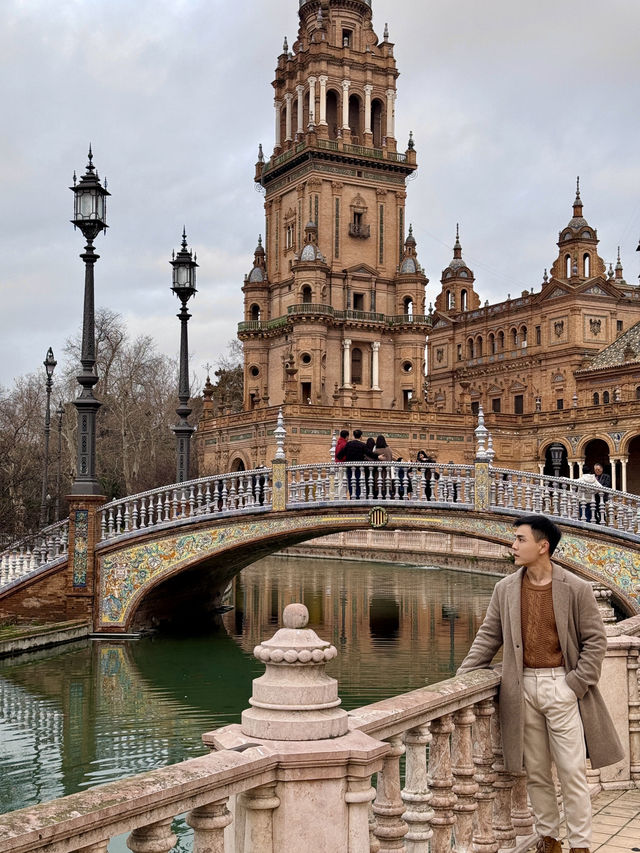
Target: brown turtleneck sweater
column 540, row 642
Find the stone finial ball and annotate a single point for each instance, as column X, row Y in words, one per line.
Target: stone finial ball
column 295, row 616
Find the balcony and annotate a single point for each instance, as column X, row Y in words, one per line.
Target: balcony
column 311, row 308
column 405, row 319
column 367, row 316
column 361, row 231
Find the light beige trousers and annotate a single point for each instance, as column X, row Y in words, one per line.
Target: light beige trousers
column 553, row 732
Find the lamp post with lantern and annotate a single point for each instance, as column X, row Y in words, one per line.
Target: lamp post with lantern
column 60, row 414
column 90, row 217
column 49, row 366
column 184, row 286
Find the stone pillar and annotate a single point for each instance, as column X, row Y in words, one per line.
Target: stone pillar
column 345, row 104
column 300, row 127
column 614, row 474
column 521, row 814
column 614, row 686
column 278, row 104
column 208, row 823
column 464, row 785
column 153, row 838
column 624, row 461
column 505, row 832
column 84, row 535
column 441, row 784
column 541, row 468
column 346, row 355
column 368, row 89
column 391, row 122
column 323, row 80
column 312, row 101
column 289, row 100
column 375, row 366
column 481, row 486
column 322, row 771
column 416, row 794
column 484, row 838
column 388, row 806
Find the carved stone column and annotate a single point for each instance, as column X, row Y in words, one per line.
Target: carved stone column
column 441, row 784
column 521, row 814
column 484, row 838
column 288, row 100
column 391, row 122
column 624, row 460
column 346, row 355
column 278, row 105
column 259, row 804
column 359, row 796
column 368, row 89
column 345, row 104
column 153, row 838
column 208, row 824
column 375, row 366
column 416, row 794
column 323, row 80
column 464, row 785
column 312, row 101
column 388, row 806
column 300, row 126
column 505, row 833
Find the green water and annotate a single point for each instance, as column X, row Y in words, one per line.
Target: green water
column 98, row 711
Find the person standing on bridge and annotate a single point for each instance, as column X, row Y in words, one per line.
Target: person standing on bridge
column 548, row 623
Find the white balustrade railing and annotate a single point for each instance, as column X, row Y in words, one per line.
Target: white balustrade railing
column 454, row 784
column 33, row 552
column 216, row 495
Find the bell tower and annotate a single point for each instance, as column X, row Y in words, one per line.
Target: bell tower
column 328, row 292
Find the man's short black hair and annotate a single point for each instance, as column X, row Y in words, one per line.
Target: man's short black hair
column 357, row 433
column 344, row 433
column 543, row 528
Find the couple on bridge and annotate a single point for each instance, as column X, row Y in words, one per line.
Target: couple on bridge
column 554, row 642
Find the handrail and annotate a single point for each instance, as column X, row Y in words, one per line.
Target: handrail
column 36, row 551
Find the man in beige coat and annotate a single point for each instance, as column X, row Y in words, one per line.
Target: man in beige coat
column 548, row 623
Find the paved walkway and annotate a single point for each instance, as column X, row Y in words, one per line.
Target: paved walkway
column 616, row 822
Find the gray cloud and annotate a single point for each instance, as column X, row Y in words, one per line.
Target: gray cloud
column 508, row 103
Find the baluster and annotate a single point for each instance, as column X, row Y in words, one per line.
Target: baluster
column 183, row 502
column 225, row 495
column 167, row 506
column 208, row 823
column 127, row 517
column 441, row 784
column 134, row 516
column 175, row 502
column 484, row 838
column 158, row 508
column 416, row 794
column 374, row 844
column 259, row 804
column 521, row 814
column 505, row 833
column 103, row 525
column 388, row 806
column 554, row 496
column 153, row 838
column 358, row 796
column 207, row 497
column 241, row 492
column 143, row 513
column 192, row 501
column 119, row 524
column 369, row 481
column 464, row 785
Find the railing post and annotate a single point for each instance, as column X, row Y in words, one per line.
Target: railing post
column 484, row 838
column 416, row 794
column 634, row 716
column 358, row 797
column 442, row 784
column 505, row 833
column 153, row 838
column 279, row 470
column 259, row 804
column 481, row 481
column 521, row 814
column 208, row 823
column 388, row 806
column 464, row 785
column 84, row 535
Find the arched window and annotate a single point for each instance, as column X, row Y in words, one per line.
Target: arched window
column 605, row 397
column 514, row 337
column 492, row 344
column 354, row 119
column 479, row 346
column 586, row 264
column 470, row 348
column 501, row 340
column 408, row 306
column 356, row 366
column 376, row 123
column 332, row 113
column 447, row 300
column 567, row 266
column 523, row 336
column 596, row 399
column 255, row 313
column 307, row 295
column 464, row 300
column 638, row 392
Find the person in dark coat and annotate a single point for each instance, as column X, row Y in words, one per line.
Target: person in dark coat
column 547, row 622
column 601, row 477
column 354, row 451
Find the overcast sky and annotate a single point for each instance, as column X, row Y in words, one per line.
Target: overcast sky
column 508, row 102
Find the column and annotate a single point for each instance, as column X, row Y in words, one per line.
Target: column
column 289, row 99
column 300, row 91
column 541, row 468
column 375, row 366
column 416, row 794
column 368, row 89
column 345, row 104
column 484, row 839
column 391, row 123
column 346, row 354
column 208, row 823
column 323, row 80
column 359, row 795
column 623, row 461
column 465, row 787
column 614, row 473
column 312, row 101
column 278, row 104
column 443, row 798
column 388, row 807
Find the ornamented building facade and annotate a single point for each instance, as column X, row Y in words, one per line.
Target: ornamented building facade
column 335, row 323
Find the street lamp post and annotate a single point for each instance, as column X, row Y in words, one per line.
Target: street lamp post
column 184, row 286
column 49, row 366
column 60, row 414
column 90, row 217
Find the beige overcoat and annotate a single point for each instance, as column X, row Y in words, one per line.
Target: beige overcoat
column 583, row 642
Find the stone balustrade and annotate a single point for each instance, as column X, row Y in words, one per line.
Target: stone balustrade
column 297, row 773
column 45, row 547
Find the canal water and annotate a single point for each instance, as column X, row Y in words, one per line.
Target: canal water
column 100, row 710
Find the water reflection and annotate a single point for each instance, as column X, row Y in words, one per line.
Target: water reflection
column 98, row 711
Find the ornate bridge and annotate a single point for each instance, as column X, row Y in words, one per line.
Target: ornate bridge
column 125, row 561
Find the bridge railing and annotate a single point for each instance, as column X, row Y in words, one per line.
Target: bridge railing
column 35, row 551
column 381, row 482
column 573, row 500
column 214, row 495
column 454, row 782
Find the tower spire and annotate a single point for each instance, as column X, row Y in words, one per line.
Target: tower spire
column 577, row 204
